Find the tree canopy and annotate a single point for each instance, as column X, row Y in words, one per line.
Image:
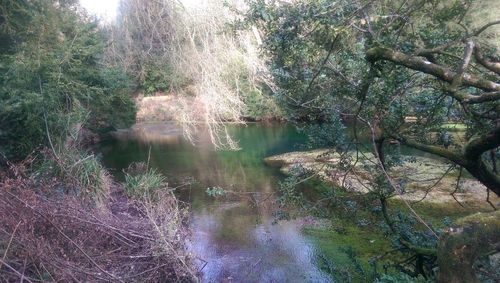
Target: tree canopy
column 383, row 63
column 52, row 77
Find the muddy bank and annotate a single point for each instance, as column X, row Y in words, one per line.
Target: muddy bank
column 166, row 108
column 185, row 109
column 423, row 176
column 156, row 132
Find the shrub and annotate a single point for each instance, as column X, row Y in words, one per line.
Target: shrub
column 51, row 78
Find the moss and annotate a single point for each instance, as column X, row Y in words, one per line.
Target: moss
column 472, row 237
column 458, row 127
column 434, row 213
column 334, row 245
column 486, row 219
column 370, row 241
column 366, row 242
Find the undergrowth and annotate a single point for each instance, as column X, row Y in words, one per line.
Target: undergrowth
column 49, row 235
column 79, row 173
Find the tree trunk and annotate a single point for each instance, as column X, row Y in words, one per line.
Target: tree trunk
column 483, row 174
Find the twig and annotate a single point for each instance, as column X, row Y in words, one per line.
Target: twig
column 253, row 266
column 397, row 189
column 15, row 271
column 437, row 182
column 67, row 237
column 10, row 242
column 489, row 201
column 457, row 186
column 149, row 158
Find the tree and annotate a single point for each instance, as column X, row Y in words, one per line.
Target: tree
column 191, row 52
column 379, row 62
column 52, row 79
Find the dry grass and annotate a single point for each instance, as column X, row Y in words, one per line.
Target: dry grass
column 53, row 237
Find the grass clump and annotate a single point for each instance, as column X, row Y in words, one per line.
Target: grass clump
column 80, row 173
column 141, row 182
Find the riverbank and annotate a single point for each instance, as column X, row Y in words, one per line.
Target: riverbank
column 186, row 109
column 58, row 229
column 231, row 195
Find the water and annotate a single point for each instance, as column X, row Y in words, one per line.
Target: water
column 234, row 236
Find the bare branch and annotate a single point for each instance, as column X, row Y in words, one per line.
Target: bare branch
column 457, row 187
column 457, row 80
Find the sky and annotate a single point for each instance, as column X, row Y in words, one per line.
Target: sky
column 104, row 9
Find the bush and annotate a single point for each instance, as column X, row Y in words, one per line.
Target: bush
column 162, row 78
column 52, row 80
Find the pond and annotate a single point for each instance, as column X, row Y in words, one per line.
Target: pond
column 236, row 237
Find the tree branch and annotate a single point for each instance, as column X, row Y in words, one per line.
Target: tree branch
column 436, row 150
column 437, row 49
column 457, row 80
column 485, row 97
column 420, row 64
column 492, row 66
column 470, row 158
column 472, row 99
column 477, row 146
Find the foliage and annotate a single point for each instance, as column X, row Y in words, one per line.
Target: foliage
column 320, row 134
column 52, row 80
column 162, row 79
column 401, row 277
column 215, row 70
column 379, row 65
column 79, row 173
column 351, row 59
column 216, row 192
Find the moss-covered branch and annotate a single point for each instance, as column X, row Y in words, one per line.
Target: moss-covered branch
column 492, row 66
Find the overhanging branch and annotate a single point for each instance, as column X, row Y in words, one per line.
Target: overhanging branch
column 477, row 146
column 436, row 150
column 443, row 47
column 421, row 64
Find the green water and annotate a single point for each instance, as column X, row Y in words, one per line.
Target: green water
column 234, row 235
